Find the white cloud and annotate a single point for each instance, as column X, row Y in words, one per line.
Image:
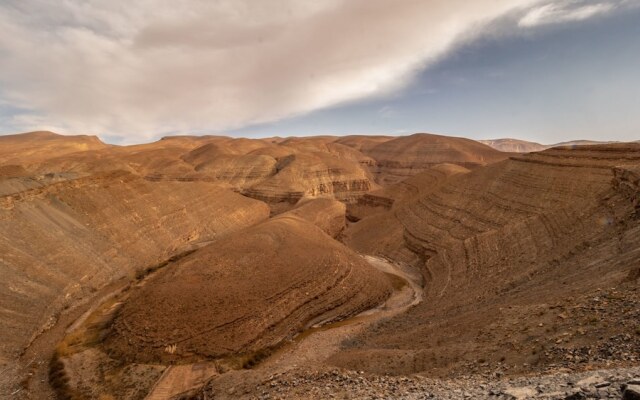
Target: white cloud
column 563, row 12
column 144, row 68
column 388, row 112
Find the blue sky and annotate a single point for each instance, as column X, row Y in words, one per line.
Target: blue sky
column 539, row 70
column 577, row 80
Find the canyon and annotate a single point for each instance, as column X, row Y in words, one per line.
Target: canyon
column 218, row 267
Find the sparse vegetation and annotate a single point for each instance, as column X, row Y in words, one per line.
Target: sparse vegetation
column 59, row 380
column 255, row 358
column 144, row 272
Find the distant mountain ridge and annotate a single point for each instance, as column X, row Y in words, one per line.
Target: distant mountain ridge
column 522, row 146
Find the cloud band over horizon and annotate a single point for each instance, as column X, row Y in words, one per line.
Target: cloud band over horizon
column 142, row 69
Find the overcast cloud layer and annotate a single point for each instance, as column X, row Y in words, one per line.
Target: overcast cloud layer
column 143, row 68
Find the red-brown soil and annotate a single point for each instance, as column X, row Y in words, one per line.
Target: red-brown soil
column 245, row 293
column 38, row 146
column 530, row 263
column 404, row 156
column 62, row 239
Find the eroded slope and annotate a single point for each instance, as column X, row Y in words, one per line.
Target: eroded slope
column 378, row 229
column 245, row 293
column 62, row 240
column 404, row 156
column 526, row 262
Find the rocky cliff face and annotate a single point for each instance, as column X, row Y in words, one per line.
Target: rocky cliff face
column 395, row 195
column 279, row 174
column 627, row 181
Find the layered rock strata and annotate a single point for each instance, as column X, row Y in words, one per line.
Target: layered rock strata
column 244, row 294
column 501, row 248
column 61, row 240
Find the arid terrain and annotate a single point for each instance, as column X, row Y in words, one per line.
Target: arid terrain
column 523, row 146
column 417, row 267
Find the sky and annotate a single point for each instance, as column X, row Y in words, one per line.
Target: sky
column 132, row 72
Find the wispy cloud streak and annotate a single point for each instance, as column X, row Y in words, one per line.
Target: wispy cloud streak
column 140, row 69
column 563, row 12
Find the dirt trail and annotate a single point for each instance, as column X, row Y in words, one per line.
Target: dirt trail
column 178, row 379
column 320, row 342
column 314, row 345
column 34, row 363
column 317, row 343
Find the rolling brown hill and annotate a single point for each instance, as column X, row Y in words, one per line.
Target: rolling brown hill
column 391, row 196
column 245, row 293
column 514, row 145
column 78, row 214
column 191, row 250
column 280, row 174
column 528, row 260
column 277, row 171
column 378, row 229
column 36, row 146
column 62, row 239
column 404, row 156
column 522, row 146
column 363, row 143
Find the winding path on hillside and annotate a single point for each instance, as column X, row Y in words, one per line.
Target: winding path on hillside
column 314, row 345
column 320, row 342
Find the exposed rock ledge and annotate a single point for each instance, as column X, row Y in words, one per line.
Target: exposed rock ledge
column 627, row 181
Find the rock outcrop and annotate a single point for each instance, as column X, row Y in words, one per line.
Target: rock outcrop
column 627, row 181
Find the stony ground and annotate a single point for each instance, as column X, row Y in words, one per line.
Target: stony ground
column 341, row 384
